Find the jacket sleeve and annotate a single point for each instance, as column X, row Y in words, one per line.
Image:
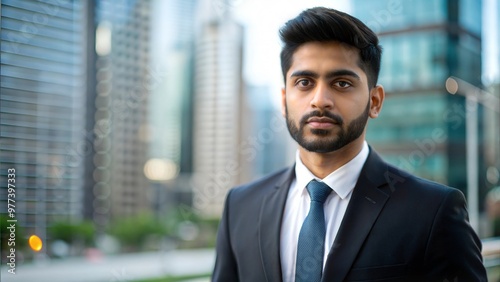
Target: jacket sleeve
column 225, row 263
column 453, row 251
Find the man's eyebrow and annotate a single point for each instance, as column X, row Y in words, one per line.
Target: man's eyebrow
column 342, row 72
column 331, row 74
column 304, row 73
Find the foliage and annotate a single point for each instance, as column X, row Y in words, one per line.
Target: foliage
column 69, row 232
column 176, row 216
column 145, row 230
column 207, row 227
column 133, row 231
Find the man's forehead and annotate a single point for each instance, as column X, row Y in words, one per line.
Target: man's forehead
column 322, row 53
column 330, row 48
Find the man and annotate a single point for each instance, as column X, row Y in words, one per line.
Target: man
column 341, row 213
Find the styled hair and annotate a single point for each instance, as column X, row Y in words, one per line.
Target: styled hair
column 322, row 24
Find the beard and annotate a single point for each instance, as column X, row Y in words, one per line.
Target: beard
column 325, row 141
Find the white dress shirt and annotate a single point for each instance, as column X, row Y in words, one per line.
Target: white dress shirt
column 342, row 182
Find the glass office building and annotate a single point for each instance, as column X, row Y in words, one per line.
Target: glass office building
column 84, row 107
column 422, row 127
column 42, row 110
column 124, row 82
column 170, row 113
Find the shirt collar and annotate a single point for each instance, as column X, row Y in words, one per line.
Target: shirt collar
column 342, row 180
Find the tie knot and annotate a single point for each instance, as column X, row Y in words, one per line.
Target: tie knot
column 318, row 191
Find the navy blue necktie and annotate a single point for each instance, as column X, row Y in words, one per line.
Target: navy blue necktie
column 311, row 245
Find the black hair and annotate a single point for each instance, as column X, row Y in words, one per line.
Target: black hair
column 322, row 25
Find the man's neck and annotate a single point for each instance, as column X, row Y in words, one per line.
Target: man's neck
column 322, row 164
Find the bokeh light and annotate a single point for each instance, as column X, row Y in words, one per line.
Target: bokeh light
column 35, row 243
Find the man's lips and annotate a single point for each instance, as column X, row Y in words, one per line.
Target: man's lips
column 321, row 122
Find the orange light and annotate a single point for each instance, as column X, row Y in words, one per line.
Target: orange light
column 35, row 243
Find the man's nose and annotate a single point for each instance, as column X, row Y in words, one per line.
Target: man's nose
column 322, row 97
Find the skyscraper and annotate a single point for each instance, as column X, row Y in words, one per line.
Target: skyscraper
column 171, row 96
column 124, row 80
column 218, row 110
column 170, row 114
column 42, row 122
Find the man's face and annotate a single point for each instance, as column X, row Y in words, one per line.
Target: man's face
column 326, row 100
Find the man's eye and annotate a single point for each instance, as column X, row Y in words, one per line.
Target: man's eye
column 303, row 82
column 342, row 84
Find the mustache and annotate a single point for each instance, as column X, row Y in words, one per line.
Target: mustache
column 332, row 116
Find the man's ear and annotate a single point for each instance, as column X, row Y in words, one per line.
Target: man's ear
column 377, row 95
column 283, row 102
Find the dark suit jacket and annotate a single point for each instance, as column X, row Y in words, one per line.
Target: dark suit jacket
column 397, row 227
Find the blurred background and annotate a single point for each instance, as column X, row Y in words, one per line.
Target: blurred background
column 127, row 122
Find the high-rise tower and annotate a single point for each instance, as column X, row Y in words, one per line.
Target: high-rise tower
column 218, row 111
column 42, row 112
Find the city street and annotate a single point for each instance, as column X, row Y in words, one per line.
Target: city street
column 128, row 267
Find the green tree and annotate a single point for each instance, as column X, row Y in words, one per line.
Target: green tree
column 132, row 232
column 71, row 232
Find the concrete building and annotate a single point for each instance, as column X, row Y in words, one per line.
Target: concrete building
column 219, row 111
column 124, row 80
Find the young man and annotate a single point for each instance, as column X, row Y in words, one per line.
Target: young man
column 341, row 213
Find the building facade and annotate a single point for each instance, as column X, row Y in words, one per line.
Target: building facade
column 170, row 162
column 124, row 80
column 42, row 117
column 422, row 127
column 218, row 112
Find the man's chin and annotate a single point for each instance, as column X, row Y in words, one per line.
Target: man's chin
column 320, row 132
column 321, row 138
column 320, row 146
column 320, row 150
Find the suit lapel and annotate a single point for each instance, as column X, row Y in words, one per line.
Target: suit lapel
column 364, row 207
column 271, row 215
